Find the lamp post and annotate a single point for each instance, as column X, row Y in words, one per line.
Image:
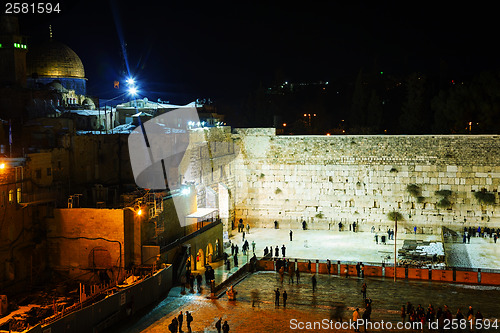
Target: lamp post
column 395, row 216
column 395, row 248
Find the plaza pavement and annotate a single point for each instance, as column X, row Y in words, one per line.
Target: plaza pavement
column 304, row 305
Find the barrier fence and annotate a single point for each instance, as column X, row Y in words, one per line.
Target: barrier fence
column 450, row 274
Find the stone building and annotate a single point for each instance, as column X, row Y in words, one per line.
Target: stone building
column 55, row 65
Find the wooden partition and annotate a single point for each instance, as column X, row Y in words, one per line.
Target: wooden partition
column 490, row 278
column 466, row 277
column 265, row 265
column 322, row 269
column 418, row 273
column 351, row 270
column 442, row 275
column 372, row 270
column 400, row 272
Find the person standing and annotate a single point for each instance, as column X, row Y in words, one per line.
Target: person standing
column 291, row 273
column 285, row 296
column 243, row 236
column 172, row 327
column 183, row 284
column 276, row 251
column 363, row 291
column 355, row 317
column 283, row 250
column 248, row 228
column 297, row 274
column 198, row 282
column 180, row 319
column 314, row 282
column 253, row 247
column 225, row 327
column 403, row 313
column 367, row 314
column 218, row 325
column 277, row 297
column 191, row 283
column 291, row 235
column 189, row 319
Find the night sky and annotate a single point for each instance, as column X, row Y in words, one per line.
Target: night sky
column 182, row 50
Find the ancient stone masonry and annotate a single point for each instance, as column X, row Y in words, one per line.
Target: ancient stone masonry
column 324, row 180
column 209, row 164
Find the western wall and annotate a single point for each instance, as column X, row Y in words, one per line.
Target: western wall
column 324, row 180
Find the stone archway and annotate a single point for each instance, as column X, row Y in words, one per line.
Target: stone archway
column 209, row 251
column 191, row 263
column 200, row 259
column 217, row 248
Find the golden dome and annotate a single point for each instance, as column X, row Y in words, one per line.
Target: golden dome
column 55, row 60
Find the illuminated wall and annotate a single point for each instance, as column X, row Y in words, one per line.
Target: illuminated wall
column 325, row 180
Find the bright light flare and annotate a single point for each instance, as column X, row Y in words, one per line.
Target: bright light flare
column 2, row 166
column 132, row 91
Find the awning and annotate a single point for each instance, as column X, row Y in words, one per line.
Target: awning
column 202, row 212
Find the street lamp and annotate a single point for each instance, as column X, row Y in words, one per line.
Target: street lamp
column 130, row 81
column 132, row 91
column 395, row 216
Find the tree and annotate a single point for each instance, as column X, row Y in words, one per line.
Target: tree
column 358, row 116
column 413, row 119
column 374, row 112
column 394, row 216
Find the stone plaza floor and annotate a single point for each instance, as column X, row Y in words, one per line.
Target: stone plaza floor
column 333, row 293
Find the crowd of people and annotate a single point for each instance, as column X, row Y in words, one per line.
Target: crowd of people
column 408, row 312
column 176, row 323
column 440, row 315
column 484, row 232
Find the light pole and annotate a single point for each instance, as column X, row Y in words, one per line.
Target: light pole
column 395, row 216
column 395, row 248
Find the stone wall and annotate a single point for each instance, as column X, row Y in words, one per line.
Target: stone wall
column 73, row 233
column 209, row 162
column 325, row 180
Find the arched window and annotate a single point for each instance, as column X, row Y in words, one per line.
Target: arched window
column 19, row 195
column 11, row 196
